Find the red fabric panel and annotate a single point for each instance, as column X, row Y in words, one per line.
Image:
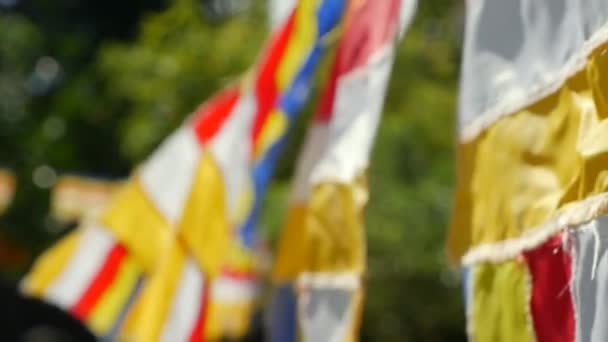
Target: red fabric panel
column 198, row 333
column 100, row 282
column 326, row 103
column 551, row 303
column 369, row 25
column 210, row 116
column 238, row 274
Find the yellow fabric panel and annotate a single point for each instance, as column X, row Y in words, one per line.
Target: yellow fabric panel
column 228, row 320
column 136, row 223
column 50, row 265
column 204, row 228
column 148, row 319
column 527, row 166
column 500, row 303
column 293, row 247
column 326, row 235
column 302, row 40
column 245, row 203
column 108, row 310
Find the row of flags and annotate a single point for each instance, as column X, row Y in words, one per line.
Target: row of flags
column 100, row 277
column 174, row 253
column 529, row 225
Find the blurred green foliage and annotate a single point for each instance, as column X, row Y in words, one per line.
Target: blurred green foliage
column 95, row 90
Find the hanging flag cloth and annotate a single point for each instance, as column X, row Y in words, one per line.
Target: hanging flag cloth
column 529, row 224
column 321, row 255
column 170, row 258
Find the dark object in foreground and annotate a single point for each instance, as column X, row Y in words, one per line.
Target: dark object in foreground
column 31, row 320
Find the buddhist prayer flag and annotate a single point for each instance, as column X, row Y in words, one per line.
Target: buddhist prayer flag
column 532, row 118
column 91, row 275
column 320, row 261
column 172, row 256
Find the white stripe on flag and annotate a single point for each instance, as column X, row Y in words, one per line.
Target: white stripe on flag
column 187, row 303
column 357, row 109
column 589, row 248
column 93, row 248
column 314, row 146
column 278, row 10
column 230, row 290
column 326, row 314
column 231, row 148
column 168, row 175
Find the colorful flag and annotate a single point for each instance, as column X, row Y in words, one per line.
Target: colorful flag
column 90, row 275
column 321, row 258
column 186, row 220
column 532, row 192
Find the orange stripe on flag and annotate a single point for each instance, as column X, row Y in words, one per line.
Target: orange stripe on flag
column 266, row 87
column 100, row 283
column 199, row 328
column 238, row 274
column 211, row 115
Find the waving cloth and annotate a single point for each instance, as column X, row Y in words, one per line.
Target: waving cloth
column 170, row 257
column 321, row 257
column 532, row 119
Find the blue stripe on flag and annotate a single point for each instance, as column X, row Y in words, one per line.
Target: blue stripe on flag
column 114, row 332
column 282, row 314
column 326, row 15
column 329, row 14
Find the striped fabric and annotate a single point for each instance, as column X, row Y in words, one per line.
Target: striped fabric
column 533, row 119
column 91, row 275
column 221, row 178
column 557, row 287
column 588, row 285
column 186, row 220
column 173, row 305
column 180, row 303
column 321, row 257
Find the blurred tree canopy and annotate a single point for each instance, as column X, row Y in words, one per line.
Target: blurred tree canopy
column 93, row 87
